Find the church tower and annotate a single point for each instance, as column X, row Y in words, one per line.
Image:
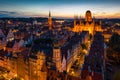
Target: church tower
column 50, row 21
column 88, row 16
column 57, row 58
column 88, row 25
column 76, row 25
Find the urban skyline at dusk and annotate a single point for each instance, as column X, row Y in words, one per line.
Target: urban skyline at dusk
column 59, row 8
column 59, row 40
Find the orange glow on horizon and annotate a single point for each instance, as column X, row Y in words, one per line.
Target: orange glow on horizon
column 70, row 14
column 117, row 15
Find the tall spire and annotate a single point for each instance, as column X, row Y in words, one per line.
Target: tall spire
column 94, row 25
column 100, row 21
column 80, row 19
column 50, row 21
column 88, row 16
column 49, row 14
column 74, row 16
column 80, row 16
column 74, row 20
column 93, row 19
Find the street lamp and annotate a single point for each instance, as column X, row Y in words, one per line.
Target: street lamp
column 72, row 72
column 85, row 51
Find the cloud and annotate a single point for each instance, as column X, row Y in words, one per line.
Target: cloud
column 11, row 14
column 4, row 15
column 7, row 12
column 40, row 14
column 18, row 14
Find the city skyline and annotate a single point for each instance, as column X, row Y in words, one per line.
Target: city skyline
column 59, row 9
column 59, row 40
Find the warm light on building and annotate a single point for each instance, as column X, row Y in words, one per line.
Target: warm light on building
column 50, row 21
column 89, row 24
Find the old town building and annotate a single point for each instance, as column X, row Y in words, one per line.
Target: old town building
column 90, row 24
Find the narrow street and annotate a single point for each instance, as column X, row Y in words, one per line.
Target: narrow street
column 76, row 67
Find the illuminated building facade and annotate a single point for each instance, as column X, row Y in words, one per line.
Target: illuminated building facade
column 22, row 66
column 57, row 58
column 10, row 36
column 88, row 25
column 49, row 54
column 36, row 62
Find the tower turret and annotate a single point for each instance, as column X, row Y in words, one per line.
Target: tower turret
column 88, row 16
column 100, row 22
column 75, row 20
column 80, row 20
column 50, row 21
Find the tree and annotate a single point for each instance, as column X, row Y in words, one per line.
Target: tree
column 114, row 48
column 117, row 75
column 114, row 40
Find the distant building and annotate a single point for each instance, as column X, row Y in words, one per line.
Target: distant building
column 107, row 35
column 50, row 21
column 88, row 25
column 10, row 35
column 35, row 22
column 2, row 40
column 117, row 29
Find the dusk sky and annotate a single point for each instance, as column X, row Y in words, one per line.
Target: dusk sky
column 59, row 8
